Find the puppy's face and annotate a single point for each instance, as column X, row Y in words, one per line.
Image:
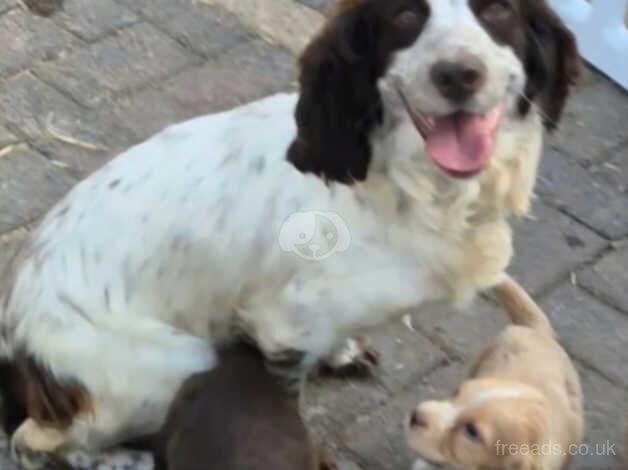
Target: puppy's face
column 485, row 424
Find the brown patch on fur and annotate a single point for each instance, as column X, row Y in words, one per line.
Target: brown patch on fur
column 340, row 104
column 13, row 400
column 236, row 416
column 553, row 63
column 30, row 390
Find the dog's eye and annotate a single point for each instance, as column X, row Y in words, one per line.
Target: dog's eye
column 407, row 19
column 472, row 432
column 496, row 12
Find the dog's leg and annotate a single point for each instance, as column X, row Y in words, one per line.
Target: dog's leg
column 116, row 385
column 320, row 307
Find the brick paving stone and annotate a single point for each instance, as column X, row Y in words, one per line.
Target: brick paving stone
column 614, row 172
column 548, row 246
column 330, row 404
column 377, row 440
column 137, row 55
column 6, row 137
column 405, row 355
column 250, row 71
column 7, row 4
column 608, row 278
column 281, row 22
column 92, row 19
column 36, row 110
column 27, row 38
column 322, row 5
column 605, row 406
column 206, row 30
column 144, row 114
column 594, row 123
column 29, row 185
column 588, row 76
column 565, row 184
column 9, row 244
column 463, row 333
column 590, row 330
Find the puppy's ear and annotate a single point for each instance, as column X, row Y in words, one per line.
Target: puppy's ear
column 339, row 101
column 552, row 61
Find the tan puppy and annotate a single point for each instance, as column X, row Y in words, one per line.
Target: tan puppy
column 521, row 407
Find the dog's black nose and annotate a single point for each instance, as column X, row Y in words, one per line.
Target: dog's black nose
column 417, row 420
column 458, row 80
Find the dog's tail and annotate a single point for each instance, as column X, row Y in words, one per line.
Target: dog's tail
column 520, row 307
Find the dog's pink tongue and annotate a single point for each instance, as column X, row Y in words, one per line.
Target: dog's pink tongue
column 462, row 143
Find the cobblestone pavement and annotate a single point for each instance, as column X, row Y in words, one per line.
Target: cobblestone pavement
column 100, row 75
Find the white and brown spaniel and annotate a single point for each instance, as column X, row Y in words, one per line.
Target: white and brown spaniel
column 417, row 134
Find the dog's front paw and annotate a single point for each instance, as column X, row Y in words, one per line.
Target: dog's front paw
column 355, row 358
column 32, row 447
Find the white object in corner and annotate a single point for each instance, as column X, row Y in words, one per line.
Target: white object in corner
column 600, row 27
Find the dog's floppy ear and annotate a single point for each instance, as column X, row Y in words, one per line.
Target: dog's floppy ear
column 339, row 102
column 552, row 62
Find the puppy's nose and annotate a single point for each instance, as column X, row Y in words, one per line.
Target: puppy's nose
column 417, row 420
column 458, row 80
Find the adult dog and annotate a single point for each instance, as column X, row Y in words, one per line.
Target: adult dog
column 418, row 132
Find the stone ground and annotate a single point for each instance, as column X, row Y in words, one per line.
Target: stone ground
column 100, row 75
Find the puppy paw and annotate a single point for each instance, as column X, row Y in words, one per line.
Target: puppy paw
column 356, row 358
column 34, row 447
column 30, row 459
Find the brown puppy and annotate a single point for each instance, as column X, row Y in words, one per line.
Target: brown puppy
column 235, row 417
column 521, row 407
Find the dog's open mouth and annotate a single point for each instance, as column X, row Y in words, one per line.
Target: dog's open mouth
column 460, row 143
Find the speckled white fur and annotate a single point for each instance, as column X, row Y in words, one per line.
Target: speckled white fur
column 131, row 277
column 142, row 265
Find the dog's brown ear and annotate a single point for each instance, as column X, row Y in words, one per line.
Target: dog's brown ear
column 339, row 102
column 552, row 61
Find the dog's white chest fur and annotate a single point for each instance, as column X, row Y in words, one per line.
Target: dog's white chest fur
column 205, row 230
column 206, row 226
